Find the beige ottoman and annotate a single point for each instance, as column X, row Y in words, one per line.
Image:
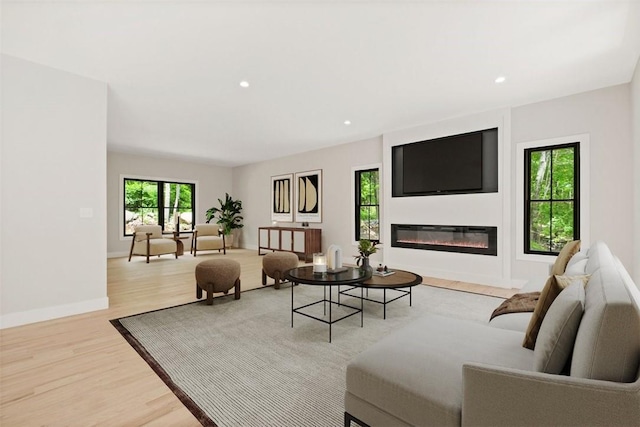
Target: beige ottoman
column 274, row 265
column 217, row 275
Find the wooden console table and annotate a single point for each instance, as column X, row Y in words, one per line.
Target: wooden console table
column 300, row 241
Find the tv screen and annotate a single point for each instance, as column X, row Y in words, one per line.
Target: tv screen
column 443, row 165
column 458, row 164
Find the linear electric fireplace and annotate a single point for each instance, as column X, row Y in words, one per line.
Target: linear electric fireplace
column 448, row 238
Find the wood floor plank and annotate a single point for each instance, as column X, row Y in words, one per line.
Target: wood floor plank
column 79, row 371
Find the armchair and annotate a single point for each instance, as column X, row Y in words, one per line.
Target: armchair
column 148, row 240
column 208, row 237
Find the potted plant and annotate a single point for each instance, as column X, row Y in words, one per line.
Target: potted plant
column 365, row 248
column 227, row 216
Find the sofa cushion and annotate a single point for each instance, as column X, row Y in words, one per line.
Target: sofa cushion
column 207, row 229
column 576, row 268
column 567, row 252
column 142, row 230
column 550, row 291
column 607, row 345
column 553, row 287
column 161, row 246
column 598, row 254
column 558, row 330
column 578, row 256
column 204, row 243
column 415, row 373
column 513, row 321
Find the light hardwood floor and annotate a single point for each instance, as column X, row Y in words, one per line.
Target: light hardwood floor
column 79, row 371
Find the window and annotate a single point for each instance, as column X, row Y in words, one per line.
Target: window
column 159, row 203
column 552, row 206
column 367, row 204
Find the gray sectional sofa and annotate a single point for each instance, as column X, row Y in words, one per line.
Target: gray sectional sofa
column 440, row 371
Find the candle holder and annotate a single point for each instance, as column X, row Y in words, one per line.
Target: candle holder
column 319, row 263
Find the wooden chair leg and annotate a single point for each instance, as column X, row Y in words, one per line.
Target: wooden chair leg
column 276, row 277
column 264, row 278
column 133, row 239
column 237, row 290
column 210, row 296
column 198, row 292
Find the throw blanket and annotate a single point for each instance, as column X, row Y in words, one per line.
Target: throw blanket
column 519, row 303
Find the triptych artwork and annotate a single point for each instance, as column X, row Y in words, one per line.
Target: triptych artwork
column 297, row 198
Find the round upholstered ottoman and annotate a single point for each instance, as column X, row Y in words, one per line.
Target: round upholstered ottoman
column 274, row 265
column 217, row 275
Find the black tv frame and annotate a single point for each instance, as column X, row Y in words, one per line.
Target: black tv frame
column 489, row 166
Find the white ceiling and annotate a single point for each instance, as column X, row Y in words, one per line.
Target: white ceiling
column 174, row 67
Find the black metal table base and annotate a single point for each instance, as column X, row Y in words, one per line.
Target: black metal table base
column 384, row 301
column 324, row 301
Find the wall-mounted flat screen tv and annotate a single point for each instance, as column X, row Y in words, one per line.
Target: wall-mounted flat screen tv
column 458, row 164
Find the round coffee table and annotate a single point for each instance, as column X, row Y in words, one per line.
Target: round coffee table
column 305, row 275
column 398, row 282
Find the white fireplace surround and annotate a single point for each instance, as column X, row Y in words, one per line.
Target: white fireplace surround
column 485, row 209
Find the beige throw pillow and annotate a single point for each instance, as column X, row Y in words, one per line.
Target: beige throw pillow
column 555, row 284
column 567, row 252
column 559, row 329
column 565, row 281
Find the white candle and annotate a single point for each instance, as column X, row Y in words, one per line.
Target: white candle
column 319, row 263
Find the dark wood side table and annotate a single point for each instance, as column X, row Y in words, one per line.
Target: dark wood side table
column 305, row 275
column 179, row 245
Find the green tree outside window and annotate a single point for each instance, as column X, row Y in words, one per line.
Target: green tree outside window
column 169, row 204
column 551, row 198
column 367, row 205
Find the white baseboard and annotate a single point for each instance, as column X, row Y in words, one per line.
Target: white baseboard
column 495, row 281
column 117, row 254
column 48, row 313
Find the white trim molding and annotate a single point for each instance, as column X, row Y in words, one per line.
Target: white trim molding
column 48, row 313
column 583, row 140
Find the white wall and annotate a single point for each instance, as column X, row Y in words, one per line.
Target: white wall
column 212, row 182
column 605, row 116
column 485, row 209
column 53, row 193
column 635, row 129
column 252, row 183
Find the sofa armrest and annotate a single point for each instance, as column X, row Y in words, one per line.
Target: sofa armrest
column 496, row 396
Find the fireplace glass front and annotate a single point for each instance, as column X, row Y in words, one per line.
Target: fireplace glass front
column 449, row 238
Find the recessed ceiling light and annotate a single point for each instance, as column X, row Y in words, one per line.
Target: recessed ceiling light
column 244, row 83
column 500, row 79
column 347, row 122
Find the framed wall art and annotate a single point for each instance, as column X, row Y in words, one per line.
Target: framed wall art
column 282, row 198
column 308, row 204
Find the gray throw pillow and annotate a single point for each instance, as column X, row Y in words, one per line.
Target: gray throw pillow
column 559, row 328
column 578, row 267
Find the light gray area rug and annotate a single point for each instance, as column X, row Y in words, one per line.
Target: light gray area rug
column 240, row 363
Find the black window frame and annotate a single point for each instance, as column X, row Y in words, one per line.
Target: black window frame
column 159, row 203
column 527, row 194
column 358, row 201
